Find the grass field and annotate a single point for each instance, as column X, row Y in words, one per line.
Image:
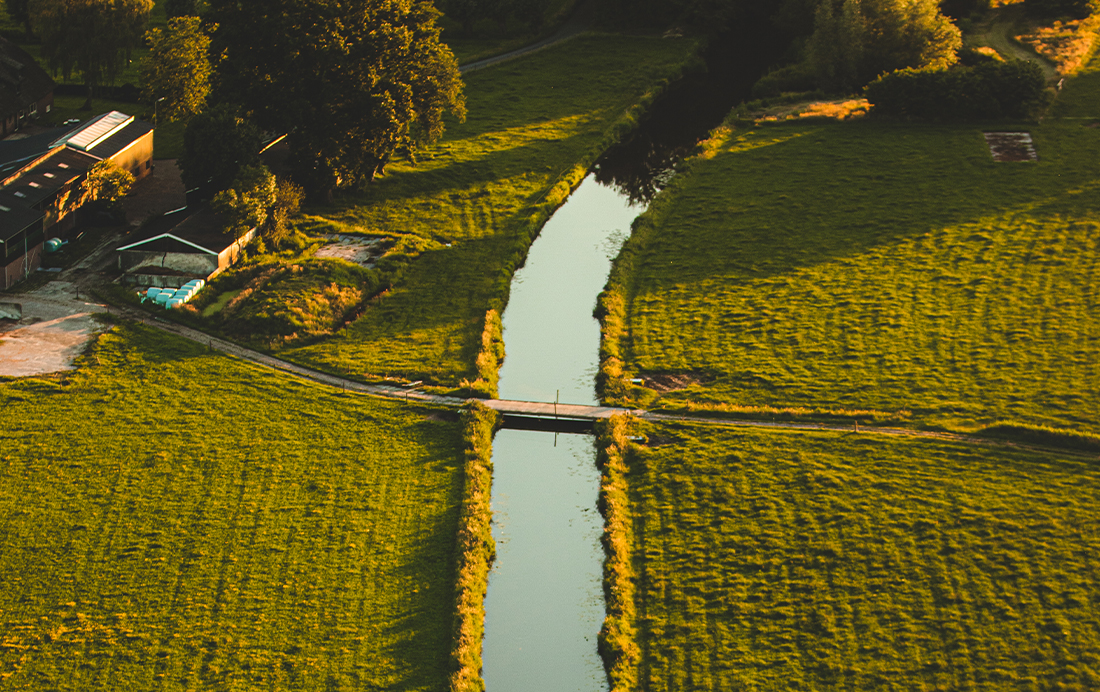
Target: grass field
column 811, row 561
column 173, row 519
column 887, row 268
column 463, row 216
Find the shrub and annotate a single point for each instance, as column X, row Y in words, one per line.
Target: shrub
column 989, row 90
column 799, row 77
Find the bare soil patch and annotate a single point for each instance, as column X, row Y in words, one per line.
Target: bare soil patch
column 672, row 381
column 1011, row 146
column 360, row 250
column 56, row 326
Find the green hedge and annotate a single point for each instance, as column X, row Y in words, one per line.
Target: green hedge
column 1014, row 89
column 476, row 549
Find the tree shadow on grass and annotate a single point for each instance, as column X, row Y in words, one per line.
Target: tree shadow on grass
column 837, row 191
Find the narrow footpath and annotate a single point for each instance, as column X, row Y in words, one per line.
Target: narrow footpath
column 549, row 409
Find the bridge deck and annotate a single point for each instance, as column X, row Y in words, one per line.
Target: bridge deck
column 552, row 410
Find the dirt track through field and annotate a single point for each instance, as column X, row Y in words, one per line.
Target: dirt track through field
column 547, row 409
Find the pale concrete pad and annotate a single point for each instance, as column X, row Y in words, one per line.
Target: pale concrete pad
column 55, row 328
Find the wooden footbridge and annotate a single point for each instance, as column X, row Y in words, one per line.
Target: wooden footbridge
column 549, row 416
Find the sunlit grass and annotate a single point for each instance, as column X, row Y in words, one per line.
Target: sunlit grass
column 832, row 561
column 877, row 266
column 171, row 518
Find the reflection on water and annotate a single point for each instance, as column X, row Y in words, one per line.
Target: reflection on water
column 551, row 340
column 544, row 606
column 545, row 602
column 642, row 166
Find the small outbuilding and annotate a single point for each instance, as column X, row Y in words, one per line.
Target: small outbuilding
column 180, row 247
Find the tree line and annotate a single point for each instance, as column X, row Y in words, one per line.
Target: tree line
column 354, row 83
column 350, row 82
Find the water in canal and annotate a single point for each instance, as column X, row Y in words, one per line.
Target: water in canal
column 544, row 606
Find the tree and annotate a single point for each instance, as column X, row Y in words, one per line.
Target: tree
column 177, row 68
column 106, row 184
column 182, row 8
column 20, row 14
column 216, row 144
column 259, row 200
column 288, row 200
column 94, row 37
column 352, row 81
column 248, row 203
column 854, row 41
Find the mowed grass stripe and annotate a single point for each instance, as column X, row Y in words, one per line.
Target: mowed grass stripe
column 214, row 527
column 829, row 561
column 876, row 266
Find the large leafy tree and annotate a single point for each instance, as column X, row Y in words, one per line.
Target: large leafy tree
column 352, row 81
column 854, row 41
column 20, row 14
column 216, row 145
column 177, row 68
column 248, row 203
column 93, row 37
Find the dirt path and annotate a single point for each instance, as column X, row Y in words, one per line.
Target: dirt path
column 998, row 37
column 549, row 408
column 578, row 23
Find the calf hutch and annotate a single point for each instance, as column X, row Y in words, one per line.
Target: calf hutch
column 178, row 248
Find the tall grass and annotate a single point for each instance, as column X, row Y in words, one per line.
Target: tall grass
column 476, row 549
column 857, row 562
column 618, row 642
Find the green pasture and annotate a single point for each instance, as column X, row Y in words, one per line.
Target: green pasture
column 173, row 519
column 886, row 268
column 463, row 214
column 812, row 561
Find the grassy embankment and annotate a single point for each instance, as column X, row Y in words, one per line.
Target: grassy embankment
column 801, row 561
column 462, row 217
column 871, row 270
column 173, row 519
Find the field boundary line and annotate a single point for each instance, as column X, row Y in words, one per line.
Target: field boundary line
column 564, row 410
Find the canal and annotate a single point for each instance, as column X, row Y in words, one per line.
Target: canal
column 544, row 605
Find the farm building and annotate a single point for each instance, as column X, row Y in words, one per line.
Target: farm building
column 180, row 247
column 26, row 90
column 42, row 177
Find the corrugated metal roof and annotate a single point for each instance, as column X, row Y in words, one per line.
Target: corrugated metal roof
column 96, row 131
